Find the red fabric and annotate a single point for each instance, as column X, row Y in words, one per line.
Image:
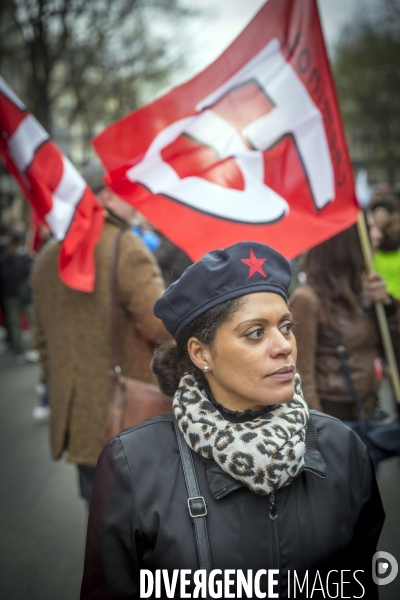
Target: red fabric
column 296, row 27
column 255, row 264
column 77, row 250
column 11, row 116
column 46, row 185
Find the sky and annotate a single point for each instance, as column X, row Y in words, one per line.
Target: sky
column 223, row 20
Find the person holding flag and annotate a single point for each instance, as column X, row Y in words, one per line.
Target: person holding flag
column 335, row 309
column 73, row 331
column 71, row 281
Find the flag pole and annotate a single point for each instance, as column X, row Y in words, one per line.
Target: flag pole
column 379, row 308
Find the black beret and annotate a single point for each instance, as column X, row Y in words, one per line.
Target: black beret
column 221, row 275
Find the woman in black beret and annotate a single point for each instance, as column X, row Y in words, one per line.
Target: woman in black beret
column 242, row 491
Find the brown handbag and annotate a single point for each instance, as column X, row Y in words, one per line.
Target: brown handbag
column 132, row 401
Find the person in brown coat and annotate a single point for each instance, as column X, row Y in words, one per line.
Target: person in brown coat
column 73, row 333
column 339, row 297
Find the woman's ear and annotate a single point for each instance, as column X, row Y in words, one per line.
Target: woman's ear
column 200, row 354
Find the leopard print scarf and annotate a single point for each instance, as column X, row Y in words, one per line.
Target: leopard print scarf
column 265, row 453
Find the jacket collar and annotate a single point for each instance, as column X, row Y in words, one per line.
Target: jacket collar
column 112, row 218
column 221, row 483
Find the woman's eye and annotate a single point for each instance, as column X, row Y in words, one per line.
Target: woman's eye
column 287, row 327
column 256, row 334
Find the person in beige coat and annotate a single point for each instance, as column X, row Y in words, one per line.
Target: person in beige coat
column 73, row 333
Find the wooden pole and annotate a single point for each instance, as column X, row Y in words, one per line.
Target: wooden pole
column 379, row 308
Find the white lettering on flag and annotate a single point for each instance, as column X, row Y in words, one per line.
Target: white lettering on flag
column 65, row 199
column 294, row 113
column 25, row 140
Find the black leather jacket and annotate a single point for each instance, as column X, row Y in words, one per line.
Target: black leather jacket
column 329, row 518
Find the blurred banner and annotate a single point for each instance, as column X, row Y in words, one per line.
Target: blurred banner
column 363, row 191
column 251, row 148
column 53, row 186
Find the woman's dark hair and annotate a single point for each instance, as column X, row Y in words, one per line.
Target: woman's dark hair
column 171, row 360
column 334, row 270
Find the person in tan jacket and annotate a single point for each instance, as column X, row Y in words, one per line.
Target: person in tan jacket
column 73, row 333
column 339, row 297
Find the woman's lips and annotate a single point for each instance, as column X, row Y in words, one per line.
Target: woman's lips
column 284, row 374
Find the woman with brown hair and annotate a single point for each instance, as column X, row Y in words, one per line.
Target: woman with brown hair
column 335, row 310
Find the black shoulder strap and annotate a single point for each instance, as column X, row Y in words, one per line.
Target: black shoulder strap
column 196, row 504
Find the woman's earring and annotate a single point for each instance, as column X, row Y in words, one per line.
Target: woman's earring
column 206, row 369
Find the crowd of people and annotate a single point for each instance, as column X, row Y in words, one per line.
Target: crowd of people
column 205, row 365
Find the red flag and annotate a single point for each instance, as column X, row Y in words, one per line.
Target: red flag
column 251, row 148
column 53, row 186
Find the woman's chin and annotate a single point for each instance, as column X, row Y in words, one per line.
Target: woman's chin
column 282, row 395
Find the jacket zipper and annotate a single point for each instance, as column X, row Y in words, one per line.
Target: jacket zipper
column 227, row 492
column 273, row 515
column 314, row 472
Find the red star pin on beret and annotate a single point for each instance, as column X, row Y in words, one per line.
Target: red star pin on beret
column 255, row 264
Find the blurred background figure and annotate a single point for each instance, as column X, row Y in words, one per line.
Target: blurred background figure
column 73, row 332
column 375, row 234
column 172, row 260
column 42, row 410
column 4, row 244
column 334, row 308
column 386, row 211
column 39, row 235
column 15, row 268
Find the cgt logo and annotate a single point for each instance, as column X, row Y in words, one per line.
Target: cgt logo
column 293, row 112
column 384, row 568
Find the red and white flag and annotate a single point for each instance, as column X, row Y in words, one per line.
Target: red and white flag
column 53, row 186
column 251, row 148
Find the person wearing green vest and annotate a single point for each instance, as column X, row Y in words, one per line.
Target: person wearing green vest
column 387, row 257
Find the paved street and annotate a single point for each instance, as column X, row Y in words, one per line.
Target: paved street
column 42, row 520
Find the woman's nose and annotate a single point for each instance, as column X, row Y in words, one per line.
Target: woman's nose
column 280, row 344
